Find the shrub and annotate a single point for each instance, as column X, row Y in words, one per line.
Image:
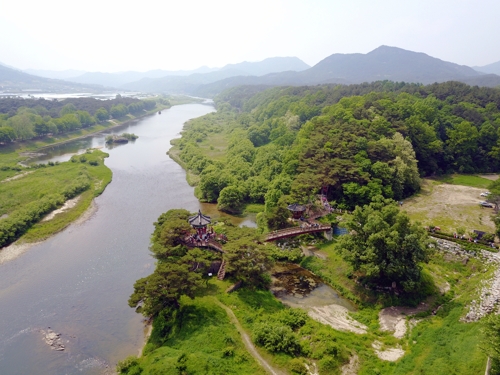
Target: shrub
column 128, row 365
column 297, row 367
column 293, row 318
column 276, row 338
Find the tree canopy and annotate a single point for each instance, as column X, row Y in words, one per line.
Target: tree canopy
column 359, row 141
column 383, row 245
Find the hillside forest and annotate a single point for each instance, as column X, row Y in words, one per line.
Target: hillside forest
column 282, row 145
column 25, row 119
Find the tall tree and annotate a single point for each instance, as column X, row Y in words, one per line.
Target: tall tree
column 384, row 245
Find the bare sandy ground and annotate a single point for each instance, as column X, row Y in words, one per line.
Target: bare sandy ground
column 14, row 250
column 393, row 319
column 66, row 206
column 352, row 367
column 449, row 207
column 337, row 317
column 391, row 354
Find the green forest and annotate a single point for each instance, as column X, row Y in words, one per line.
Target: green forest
column 366, row 147
column 357, row 141
column 25, row 119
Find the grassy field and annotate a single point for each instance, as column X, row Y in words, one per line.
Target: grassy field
column 439, row 344
column 84, row 177
column 467, row 180
column 203, row 337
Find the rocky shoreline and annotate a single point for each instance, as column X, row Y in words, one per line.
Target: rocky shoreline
column 489, row 295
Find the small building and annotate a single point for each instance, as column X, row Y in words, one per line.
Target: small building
column 297, row 210
column 200, row 222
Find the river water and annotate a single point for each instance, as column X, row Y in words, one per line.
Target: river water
column 78, row 282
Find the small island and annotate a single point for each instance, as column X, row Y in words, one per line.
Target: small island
column 124, row 138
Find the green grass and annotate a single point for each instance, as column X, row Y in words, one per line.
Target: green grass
column 37, row 183
column 214, row 146
column 211, row 343
column 444, row 345
column 466, row 180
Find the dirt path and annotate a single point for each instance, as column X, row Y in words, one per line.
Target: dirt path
column 248, row 343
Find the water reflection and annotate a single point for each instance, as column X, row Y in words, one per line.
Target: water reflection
column 78, row 282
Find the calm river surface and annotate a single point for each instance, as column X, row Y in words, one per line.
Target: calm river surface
column 78, row 282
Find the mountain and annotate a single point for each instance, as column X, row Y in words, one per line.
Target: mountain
column 189, row 84
column 386, row 63
column 383, row 63
column 13, row 80
column 270, row 65
column 122, row 78
column 7, row 66
column 490, row 68
column 55, row 74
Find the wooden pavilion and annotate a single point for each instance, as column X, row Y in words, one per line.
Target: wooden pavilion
column 200, row 222
column 297, row 210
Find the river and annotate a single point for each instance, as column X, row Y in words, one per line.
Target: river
column 78, row 282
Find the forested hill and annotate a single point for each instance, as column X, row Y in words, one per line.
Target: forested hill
column 12, row 80
column 283, row 144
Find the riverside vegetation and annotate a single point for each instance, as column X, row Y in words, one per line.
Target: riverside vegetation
column 30, row 192
column 363, row 146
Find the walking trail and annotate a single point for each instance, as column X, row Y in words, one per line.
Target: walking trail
column 248, row 343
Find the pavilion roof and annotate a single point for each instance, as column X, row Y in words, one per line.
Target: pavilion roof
column 296, row 207
column 199, row 220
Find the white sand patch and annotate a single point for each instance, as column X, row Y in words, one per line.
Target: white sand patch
column 14, row 250
column 393, row 319
column 66, row 206
column 391, row 354
column 352, row 367
column 17, row 176
column 312, row 370
column 337, row 317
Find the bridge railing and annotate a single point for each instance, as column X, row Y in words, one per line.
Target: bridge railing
column 288, row 232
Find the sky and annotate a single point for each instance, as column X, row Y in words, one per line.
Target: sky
column 113, row 36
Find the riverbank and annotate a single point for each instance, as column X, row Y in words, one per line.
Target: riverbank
column 78, row 282
column 44, row 202
column 41, row 144
column 19, row 247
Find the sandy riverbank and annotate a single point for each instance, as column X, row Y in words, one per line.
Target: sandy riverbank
column 19, row 247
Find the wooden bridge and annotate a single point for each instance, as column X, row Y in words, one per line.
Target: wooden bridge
column 296, row 231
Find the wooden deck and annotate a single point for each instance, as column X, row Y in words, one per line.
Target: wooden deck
column 210, row 244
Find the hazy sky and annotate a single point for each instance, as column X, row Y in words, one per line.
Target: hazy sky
column 109, row 35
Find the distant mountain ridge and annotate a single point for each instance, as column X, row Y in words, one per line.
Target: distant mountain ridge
column 383, row 63
column 493, row 68
column 54, row 74
column 270, row 65
column 13, row 80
